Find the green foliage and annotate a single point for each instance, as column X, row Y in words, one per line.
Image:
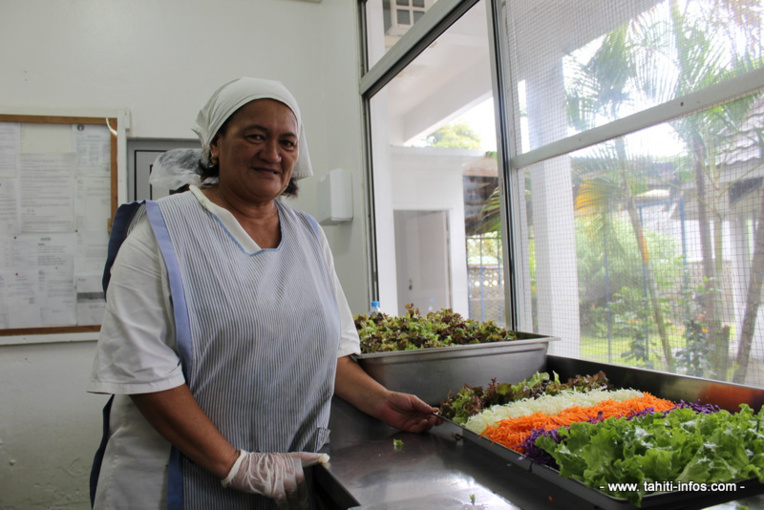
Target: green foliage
column 634, row 325
column 621, row 272
column 695, row 357
column 486, row 246
column 457, row 135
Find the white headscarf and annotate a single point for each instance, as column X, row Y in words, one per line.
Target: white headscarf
column 235, row 94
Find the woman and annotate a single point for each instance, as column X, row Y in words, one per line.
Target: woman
column 226, row 331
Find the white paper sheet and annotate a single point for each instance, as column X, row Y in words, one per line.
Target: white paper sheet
column 47, row 192
column 10, row 144
column 92, row 248
column 21, row 282
column 90, row 299
column 93, row 205
column 21, row 298
column 92, row 144
column 55, row 261
column 10, row 213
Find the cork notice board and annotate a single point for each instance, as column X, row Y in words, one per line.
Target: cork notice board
column 58, row 193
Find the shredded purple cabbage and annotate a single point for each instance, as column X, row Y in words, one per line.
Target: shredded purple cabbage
column 535, row 454
column 698, row 407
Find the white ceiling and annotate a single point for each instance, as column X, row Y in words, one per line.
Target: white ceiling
column 454, row 73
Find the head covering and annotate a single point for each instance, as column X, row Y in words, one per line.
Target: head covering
column 235, row 94
column 178, row 167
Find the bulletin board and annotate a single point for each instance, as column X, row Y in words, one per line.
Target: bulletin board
column 58, row 194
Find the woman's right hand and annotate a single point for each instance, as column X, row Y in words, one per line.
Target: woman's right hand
column 275, row 475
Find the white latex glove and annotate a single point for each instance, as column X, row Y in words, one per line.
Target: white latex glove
column 274, row 475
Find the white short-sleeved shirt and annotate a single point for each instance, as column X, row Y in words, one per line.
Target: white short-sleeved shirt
column 136, row 349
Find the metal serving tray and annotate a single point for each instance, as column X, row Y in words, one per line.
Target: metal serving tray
column 432, row 373
column 601, row 500
column 670, row 386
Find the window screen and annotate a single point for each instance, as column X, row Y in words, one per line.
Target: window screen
column 642, row 249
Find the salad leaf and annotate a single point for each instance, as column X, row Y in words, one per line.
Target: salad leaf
column 680, row 445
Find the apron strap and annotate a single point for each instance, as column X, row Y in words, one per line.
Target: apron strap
column 180, row 308
column 182, row 336
column 175, row 480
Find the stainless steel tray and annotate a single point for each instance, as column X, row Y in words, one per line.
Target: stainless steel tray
column 432, row 373
column 670, row 386
column 599, row 499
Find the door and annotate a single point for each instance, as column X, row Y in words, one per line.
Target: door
column 422, row 248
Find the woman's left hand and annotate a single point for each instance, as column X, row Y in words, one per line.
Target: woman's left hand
column 407, row 412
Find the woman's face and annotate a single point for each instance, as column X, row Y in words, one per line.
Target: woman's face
column 257, row 150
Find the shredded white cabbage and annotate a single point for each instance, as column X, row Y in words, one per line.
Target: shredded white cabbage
column 548, row 404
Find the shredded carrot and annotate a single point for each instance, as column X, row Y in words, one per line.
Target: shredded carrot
column 512, row 432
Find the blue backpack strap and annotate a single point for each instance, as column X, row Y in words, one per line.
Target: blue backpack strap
column 119, row 229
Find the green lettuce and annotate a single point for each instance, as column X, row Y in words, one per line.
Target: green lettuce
column 680, row 446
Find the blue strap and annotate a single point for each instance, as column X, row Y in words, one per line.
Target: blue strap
column 182, row 337
column 95, row 471
column 119, row 227
column 175, row 480
column 182, row 323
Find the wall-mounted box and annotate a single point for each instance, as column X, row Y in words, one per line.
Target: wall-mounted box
column 335, row 197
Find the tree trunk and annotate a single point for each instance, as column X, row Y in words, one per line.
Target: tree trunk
column 709, row 269
column 753, row 299
column 722, row 332
column 652, row 287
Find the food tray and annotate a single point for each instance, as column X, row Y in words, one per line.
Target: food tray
column 432, row 373
column 671, row 386
column 599, row 499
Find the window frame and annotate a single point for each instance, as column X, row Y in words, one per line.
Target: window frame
column 422, row 34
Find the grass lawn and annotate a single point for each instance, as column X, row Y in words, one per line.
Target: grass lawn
column 613, row 350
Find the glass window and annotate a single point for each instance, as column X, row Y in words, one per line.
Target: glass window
column 641, row 249
column 436, row 177
column 585, row 64
column 388, row 20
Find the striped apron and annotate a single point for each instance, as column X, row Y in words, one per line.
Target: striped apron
column 258, row 335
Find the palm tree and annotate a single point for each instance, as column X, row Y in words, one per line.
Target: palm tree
column 601, row 90
column 692, row 49
column 701, row 59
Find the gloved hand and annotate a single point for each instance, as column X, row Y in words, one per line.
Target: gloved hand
column 274, row 475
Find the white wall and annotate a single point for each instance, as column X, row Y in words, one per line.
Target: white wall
column 159, row 61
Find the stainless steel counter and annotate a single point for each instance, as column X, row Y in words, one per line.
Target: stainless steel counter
column 440, row 470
